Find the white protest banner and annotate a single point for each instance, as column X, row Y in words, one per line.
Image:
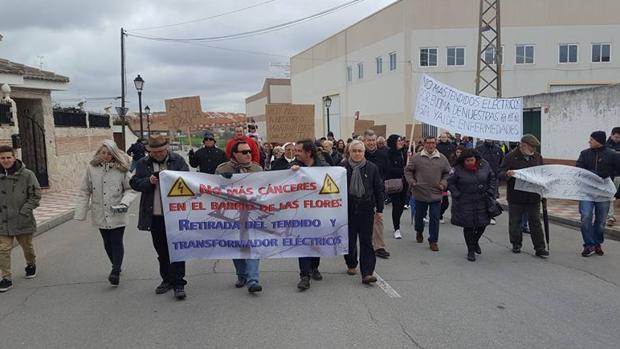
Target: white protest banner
column 446, row 107
column 276, row 214
column 564, row 182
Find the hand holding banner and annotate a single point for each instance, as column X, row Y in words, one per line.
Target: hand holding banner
column 491, row 118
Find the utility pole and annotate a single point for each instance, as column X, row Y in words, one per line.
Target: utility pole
column 123, row 109
column 489, row 67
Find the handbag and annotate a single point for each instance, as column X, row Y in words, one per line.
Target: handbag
column 493, row 207
column 393, row 186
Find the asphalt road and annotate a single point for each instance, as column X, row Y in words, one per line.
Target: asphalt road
column 430, row 299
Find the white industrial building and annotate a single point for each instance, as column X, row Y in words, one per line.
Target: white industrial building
column 372, row 68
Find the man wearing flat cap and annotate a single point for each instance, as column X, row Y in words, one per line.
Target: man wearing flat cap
column 522, row 203
column 151, row 217
column 208, row 158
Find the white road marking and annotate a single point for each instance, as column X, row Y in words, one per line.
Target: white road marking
column 386, row 287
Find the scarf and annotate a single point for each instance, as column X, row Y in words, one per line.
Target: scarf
column 11, row 170
column 357, row 184
column 240, row 168
column 473, row 167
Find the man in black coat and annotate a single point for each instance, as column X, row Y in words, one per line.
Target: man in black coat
column 445, row 146
column 151, row 216
column 306, row 155
column 521, row 202
column 207, row 159
column 137, row 152
column 378, row 157
column 604, row 162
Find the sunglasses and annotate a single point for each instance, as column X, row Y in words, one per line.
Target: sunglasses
column 245, row 152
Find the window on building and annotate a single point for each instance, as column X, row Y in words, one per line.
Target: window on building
column 456, row 56
column 489, row 55
column 379, row 61
column 525, row 54
column 428, row 57
column 360, row 70
column 601, row 53
column 349, row 73
column 568, row 53
column 392, row 61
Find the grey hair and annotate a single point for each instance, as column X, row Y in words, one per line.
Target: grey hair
column 356, row 142
column 119, row 157
column 369, row 133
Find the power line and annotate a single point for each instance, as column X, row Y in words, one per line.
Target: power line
column 252, row 32
column 206, row 18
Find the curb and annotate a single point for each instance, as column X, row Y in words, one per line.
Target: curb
column 612, row 233
column 51, row 223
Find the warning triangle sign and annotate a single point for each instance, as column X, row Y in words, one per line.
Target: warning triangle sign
column 179, row 188
column 329, row 186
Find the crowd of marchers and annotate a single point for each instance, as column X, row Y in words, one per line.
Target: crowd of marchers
column 427, row 177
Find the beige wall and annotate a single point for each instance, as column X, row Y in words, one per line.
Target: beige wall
column 408, row 25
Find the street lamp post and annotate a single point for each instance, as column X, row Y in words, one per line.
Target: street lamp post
column 327, row 102
column 139, row 83
column 147, row 110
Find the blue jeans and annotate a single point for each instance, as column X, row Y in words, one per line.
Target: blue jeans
column 421, row 208
column 592, row 233
column 247, row 269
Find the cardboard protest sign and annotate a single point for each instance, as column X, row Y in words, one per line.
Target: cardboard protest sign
column 289, row 122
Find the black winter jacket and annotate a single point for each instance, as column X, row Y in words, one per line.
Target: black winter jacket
column 603, row 161
column 207, row 159
column 379, row 158
column 515, row 160
column 471, row 194
column 136, row 151
column 140, row 182
column 395, row 165
column 373, row 187
column 446, row 148
column 492, row 153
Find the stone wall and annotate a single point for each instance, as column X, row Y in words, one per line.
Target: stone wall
column 69, row 149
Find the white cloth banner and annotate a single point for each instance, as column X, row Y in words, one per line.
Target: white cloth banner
column 276, row 214
column 446, row 107
column 564, row 182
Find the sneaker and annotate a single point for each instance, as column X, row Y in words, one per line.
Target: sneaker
column 240, row 283
column 542, row 253
column 163, row 288
column 304, row 283
column 419, row 238
column 598, row 250
column 31, row 271
column 114, row 279
column 255, row 288
column 398, row 235
column 406, row 207
column 433, row 246
column 351, row 271
column 5, row 285
column 425, row 220
column 382, row 253
column 179, row 292
column 516, row 249
column 316, row 275
column 611, row 222
column 587, row 251
column 442, row 221
column 369, row 279
column 493, row 221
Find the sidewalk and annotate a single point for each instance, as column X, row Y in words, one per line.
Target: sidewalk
column 565, row 212
column 55, row 209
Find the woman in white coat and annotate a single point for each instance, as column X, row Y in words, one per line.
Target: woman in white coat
column 106, row 191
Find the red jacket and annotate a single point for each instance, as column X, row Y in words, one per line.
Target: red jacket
column 250, row 142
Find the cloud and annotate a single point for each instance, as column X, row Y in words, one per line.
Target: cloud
column 80, row 39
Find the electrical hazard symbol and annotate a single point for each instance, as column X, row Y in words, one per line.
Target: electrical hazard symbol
column 179, row 189
column 329, row 186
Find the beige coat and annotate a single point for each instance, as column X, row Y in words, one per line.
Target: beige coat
column 104, row 186
column 427, row 175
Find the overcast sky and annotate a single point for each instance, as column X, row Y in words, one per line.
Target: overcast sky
column 81, row 39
